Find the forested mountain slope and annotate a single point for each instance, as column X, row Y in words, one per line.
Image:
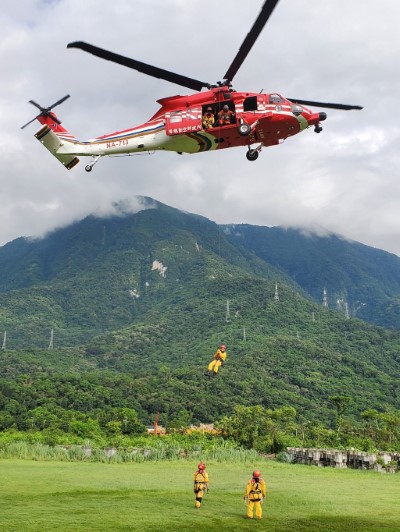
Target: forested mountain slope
column 365, row 279
column 138, row 303
column 101, row 274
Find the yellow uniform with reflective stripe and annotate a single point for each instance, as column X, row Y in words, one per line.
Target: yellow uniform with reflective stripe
column 219, row 359
column 208, row 119
column 200, row 484
column 256, row 490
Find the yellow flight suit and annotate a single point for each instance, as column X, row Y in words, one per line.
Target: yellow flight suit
column 256, row 490
column 219, row 359
column 200, row 485
column 208, row 119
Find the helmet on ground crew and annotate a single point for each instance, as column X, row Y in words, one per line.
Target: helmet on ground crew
column 256, row 473
column 201, row 466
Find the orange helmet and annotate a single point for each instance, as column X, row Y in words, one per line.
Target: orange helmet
column 222, row 346
column 256, row 473
column 201, row 466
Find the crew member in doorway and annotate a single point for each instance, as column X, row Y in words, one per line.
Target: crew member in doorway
column 208, row 118
column 225, row 116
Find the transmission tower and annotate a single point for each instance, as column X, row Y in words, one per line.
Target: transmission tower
column 244, row 334
column 228, row 315
column 51, row 339
column 4, row 340
column 276, row 296
column 313, row 316
column 325, row 298
column 346, row 310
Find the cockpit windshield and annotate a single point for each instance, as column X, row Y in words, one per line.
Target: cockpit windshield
column 276, row 98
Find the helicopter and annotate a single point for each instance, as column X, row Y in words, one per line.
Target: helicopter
column 251, row 120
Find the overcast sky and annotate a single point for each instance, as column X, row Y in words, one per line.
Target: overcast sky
column 345, row 180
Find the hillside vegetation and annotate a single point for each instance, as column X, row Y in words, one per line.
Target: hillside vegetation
column 138, row 304
column 359, row 278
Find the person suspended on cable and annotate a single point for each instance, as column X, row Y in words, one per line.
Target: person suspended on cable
column 200, row 483
column 219, row 360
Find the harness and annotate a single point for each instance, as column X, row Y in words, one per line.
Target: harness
column 255, row 492
column 219, row 355
column 225, row 116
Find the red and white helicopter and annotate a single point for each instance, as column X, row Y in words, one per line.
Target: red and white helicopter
column 253, row 120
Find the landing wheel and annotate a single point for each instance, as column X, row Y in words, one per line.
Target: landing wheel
column 318, row 129
column 252, row 155
column 94, row 160
column 244, row 129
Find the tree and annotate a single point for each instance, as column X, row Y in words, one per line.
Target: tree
column 341, row 403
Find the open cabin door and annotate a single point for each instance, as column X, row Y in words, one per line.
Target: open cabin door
column 181, row 122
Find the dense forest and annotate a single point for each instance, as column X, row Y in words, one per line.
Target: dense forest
column 138, row 304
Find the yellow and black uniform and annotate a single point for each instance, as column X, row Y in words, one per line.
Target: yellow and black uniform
column 219, row 359
column 208, row 119
column 256, row 490
column 200, row 485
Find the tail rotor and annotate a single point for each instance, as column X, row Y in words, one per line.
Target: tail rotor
column 45, row 111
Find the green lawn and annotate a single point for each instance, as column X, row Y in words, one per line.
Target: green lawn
column 157, row 496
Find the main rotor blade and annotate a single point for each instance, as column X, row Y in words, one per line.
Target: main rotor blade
column 341, row 106
column 144, row 68
column 61, row 100
column 251, row 38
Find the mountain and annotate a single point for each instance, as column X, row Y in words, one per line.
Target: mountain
column 138, row 302
column 100, row 274
column 359, row 279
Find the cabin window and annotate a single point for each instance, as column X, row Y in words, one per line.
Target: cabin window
column 175, row 116
column 250, row 104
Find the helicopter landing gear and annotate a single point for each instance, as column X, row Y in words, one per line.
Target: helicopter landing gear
column 252, row 155
column 317, row 128
column 89, row 166
column 244, row 129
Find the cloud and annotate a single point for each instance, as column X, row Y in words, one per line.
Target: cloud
column 345, row 179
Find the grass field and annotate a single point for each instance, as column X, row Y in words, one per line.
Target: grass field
column 157, row 496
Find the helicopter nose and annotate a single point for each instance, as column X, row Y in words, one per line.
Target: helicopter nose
column 322, row 117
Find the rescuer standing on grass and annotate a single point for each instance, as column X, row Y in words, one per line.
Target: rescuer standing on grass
column 219, row 359
column 200, row 483
column 256, row 490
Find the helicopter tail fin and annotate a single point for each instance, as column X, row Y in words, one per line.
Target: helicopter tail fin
column 59, row 141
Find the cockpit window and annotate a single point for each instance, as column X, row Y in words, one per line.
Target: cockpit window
column 275, row 98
